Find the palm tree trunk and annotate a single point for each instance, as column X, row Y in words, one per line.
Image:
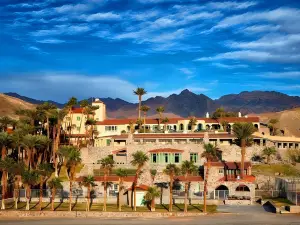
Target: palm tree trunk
column 185, row 196
column 52, row 198
column 205, row 186
column 153, row 205
column 88, row 198
column 70, row 197
column 27, row 197
column 171, row 194
column 119, row 194
column 144, row 122
column 4, row 188
column 19, row 152
column 140, row 104
column 41, row 193
column 243, row 151
column 55, row 149
column 105, row 192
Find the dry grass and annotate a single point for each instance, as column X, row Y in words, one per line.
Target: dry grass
column 272, row 169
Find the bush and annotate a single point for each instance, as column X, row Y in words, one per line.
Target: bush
column 294, row 155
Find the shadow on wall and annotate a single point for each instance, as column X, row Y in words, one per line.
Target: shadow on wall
column 269, row 207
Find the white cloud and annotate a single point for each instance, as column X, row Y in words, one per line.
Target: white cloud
column 261, row 28
column 73, row 8
column 231, row 5
column 283, row 75
column 233, row 66
column 62, row 29
column 186, row 71
column 60, row 86
column 101, row 16
column 51, row 41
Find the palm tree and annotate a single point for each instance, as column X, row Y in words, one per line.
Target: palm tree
column 91, row 122
column 243, row 132
column 107, row 164
column 89, row 183
column 83, row 104
column 40, row 152
column 121, row 173
column 72, row 158
column 131, row 126
column 151, row 194
column 145, row 109
column 29, row 179
column 210, row 154
column 224, row 124
column 165, row 121
column 272, row 125
column 160, row 111
column 45, row 170
column 171, row 170
column 5, row 121
column 32, row 115
column 5, row 165
column 193, row 122
column 139, row 159
column 30, row 142
column 54, row 184
column 269, row 151
column 187, row 169
column 140, row 92
column 69, row 106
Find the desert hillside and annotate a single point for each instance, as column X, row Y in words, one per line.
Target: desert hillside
column 289, row 120
column 8, row 105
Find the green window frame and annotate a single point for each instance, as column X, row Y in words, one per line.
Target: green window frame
column 154, row 158
column 78, row 118
column 194, row 157
column 177, row 158
column 166, row 158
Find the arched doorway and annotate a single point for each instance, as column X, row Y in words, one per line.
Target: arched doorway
column 175, row 128
column 256, row 126
column 221, row 192
column 181, row 126
column 199, row 127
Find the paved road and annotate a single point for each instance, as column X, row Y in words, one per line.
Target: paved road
column 252, row 215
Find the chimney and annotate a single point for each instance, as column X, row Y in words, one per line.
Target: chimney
column 240, row 114
column 207, row 115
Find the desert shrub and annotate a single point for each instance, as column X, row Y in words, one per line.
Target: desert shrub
column 294, row 155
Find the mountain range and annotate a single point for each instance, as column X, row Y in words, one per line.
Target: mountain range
column 188, row 103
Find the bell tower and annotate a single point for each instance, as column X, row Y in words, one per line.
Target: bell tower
column 100, row 113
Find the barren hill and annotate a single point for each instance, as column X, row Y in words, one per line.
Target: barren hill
column 289, row 120
column 8, row 105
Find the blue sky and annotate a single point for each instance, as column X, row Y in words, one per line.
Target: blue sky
column 54, row 49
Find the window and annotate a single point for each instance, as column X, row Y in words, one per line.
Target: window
column 154, row 158
column 78, row 118
column 177, row 158
column 194, row 157
column 221, row 171
column 166, row 157
column 111, row 128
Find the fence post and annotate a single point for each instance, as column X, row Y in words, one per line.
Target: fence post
column 214, row 194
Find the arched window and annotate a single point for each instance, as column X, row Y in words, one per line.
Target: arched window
column 242, row 187
column 175, row 127
column 181, row 126
column 199, row 126
column 222, row 188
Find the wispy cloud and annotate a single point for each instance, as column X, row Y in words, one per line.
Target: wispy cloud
column 101, row 16
column 188, row 72
column 230, row 5
column 62, row 29
column 51, row 41
column 233, row 66
column 282, row 75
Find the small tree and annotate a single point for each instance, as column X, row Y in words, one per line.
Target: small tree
column 224, row 124
column 187, row 168
column 89, row 183
column 139, row 160
column 160, row 111
column 150, row 196
column 145, row 109
column 193, row 122
column 45, row 170
column 54, row 184
column 121, row 173
column 165, row 121
column 268, row 152
column 294, row 155
column 273, row 126
column 107, row 164
column 171, row 170
column 29, row 179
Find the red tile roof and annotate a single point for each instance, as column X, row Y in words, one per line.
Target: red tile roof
column 166, row 150
column 247, row 178
column 111, row 178
column 175, row 120
column 189, row 178
column 229, row 165
column 140, row 187
column 77, row 110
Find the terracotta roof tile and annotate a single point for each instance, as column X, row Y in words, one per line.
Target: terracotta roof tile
column 247, row 178
column 140, row 187
column 166, row 150
column 77, row 110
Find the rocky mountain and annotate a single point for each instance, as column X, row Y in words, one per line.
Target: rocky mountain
column 188, row 103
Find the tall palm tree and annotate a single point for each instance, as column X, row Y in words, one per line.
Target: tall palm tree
column 171, row 170
column 45, row 170
column 89, row 183
column 193, row 122
column 54, row 184
column 107, row 164
column 165, row 121
column 5, row 142
column 29, row 179
column 187, row 169
column 91, row 122
column 83, row 105
column 32, row 115
column 145, row 109
column 40, row 151
column 121, row 173
column 139, row 159
column 17, row 140
column 210, row 154
column 72, row 158
column 224, row 124
column 5, row 165
column 140, row 92
column 243, row 132
column 69, row 106
column 160, row 111
column 5, row 121
column 30, row 143
column 151, row 194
